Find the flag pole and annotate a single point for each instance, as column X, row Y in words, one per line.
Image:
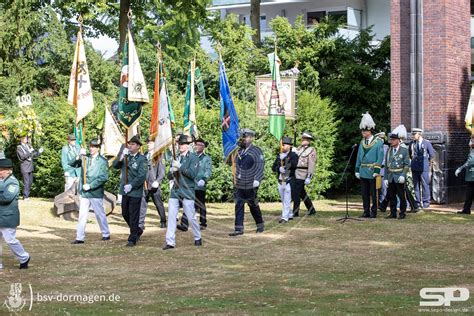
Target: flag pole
column 125, row 159
column 282, row 162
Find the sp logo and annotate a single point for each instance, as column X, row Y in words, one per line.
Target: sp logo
column 443, row 296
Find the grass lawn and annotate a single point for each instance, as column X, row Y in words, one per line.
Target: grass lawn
column 311, row 265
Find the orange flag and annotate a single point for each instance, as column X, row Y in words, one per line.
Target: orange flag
column 155, row 117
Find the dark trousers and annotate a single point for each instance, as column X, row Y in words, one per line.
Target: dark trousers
column 156, row 198
column 200, row 207
column 298, row 193
column 131, row 214
column 421, row 180
column 394, row 190
column 368, row 191
column 241, row 196
column 469, row 196
column 27, row 181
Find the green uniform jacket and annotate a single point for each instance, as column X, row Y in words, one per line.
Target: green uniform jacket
column 397, row 165
column 469, row 166
column 137, row 169
column 188, row 173
column 97, row 174
column 205, row 171
column 369, row 158
column 69, row 154
column 9, row 213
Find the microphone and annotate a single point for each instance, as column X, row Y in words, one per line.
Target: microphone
column 354, row 146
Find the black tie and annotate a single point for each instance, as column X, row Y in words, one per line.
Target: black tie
column 366, row 141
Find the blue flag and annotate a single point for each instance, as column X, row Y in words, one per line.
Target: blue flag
column 229, row 119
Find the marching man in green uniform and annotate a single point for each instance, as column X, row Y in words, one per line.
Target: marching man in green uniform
column 469, row 178
column 131, row 186
column 183, row 172
column 397, row 166
column 9, row 212
column 91, row 191
column 68, row 154
column 304, row 172
column 369, row 164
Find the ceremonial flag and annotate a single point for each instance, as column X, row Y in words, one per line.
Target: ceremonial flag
column 112, row 139
column 276, row 110
column 80, row 91
column 200, row 85
column 190, row 127
column 470, row 113
column 133, row 92
column 228, row 115
column 156, row 103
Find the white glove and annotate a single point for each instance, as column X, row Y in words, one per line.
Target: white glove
column 127, row 188
column 155, row 184
column 307, row 181
column 66, row 174
column 457, row 172
column 41, row 150
column 375, row 175
column 83, row 152
column 256, row 183
column 176, row 164
column 357, row 175
column 86, row 187
column 173, row 169
column 31, row 150
column 282, row 170
column 125, row 151
column 386, row 183
column 283, row 155
column 201, row 183
column 401, row 179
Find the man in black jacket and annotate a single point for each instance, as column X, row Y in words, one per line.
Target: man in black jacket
column 26, row 154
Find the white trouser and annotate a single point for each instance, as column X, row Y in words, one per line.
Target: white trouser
column 285, row 196
column 188, row 208
column 143, row 209
column 9, row 235
column 98, row 207
column 69, row 183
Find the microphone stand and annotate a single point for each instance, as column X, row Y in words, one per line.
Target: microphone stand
column 344, row 175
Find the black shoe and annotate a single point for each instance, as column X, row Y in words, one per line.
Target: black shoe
column 168, row 247
column 381, row 210
column 198, row 242
column 182, row 228
column 312, row 213
column 290, row 219
column 365, row 215
column 401, row 216
column 163, row 225
column 130, row 244
column 105, row 238
column 202, row 227
column 296, row 214
column 24, row 265
column 260, row 230
column 282, row 221
column 236, row 233
column 76, row 242
column 373, row 215
column 463, row 212
column 391, row 216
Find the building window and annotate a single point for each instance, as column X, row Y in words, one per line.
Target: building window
column 339, row 16
column 313, row 18
column 263, row 22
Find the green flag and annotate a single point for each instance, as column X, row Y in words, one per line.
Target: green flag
column 276, row 110
column 190, row 127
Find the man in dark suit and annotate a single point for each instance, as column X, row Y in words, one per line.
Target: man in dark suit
column 26, row 154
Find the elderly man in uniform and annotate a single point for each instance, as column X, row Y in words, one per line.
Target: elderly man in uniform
column 183, row 172
column 68, row 153
column 9, row 212
column 154, row 177
column 26, row 154
column 249, row 165
column 469, row 178
column 204, row 174
column 131, row 186
column 396, row 168
column 285, row 166
column 304, row 173
column 368, row 165
column 92, row 190
column 421, row 153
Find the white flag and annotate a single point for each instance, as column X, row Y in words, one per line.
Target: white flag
column 136, row 82
column 113, row 138
column 80, row 91
column 132, row 130
column 163, row 138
